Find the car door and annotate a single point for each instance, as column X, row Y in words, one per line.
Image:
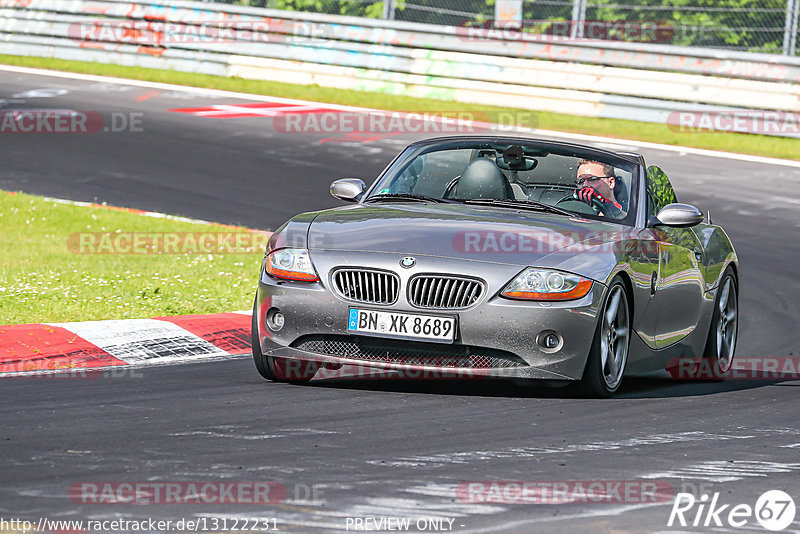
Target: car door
column 677, row 293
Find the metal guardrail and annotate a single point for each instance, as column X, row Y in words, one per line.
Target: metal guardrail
column 602, row 79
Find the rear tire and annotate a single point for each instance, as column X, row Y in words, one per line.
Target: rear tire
column 724, row 330
column 608, row 356
column 716, row 361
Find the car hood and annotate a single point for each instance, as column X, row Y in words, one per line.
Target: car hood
column 492, row 234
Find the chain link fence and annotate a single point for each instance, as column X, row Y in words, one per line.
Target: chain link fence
column 769, row 26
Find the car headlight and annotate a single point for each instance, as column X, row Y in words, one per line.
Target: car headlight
column 291, row 264
column 546, row 284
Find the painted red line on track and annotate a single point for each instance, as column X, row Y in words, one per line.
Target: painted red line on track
column 218, row 107
column 252, row 110
column 147, row 96
column 227, row 331
column 39, row 347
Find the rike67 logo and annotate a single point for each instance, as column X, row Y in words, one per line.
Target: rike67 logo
column 774, row 510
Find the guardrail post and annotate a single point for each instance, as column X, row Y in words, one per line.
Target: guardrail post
column 578, row 18
column 388, row 9
column 793, row 39
column 790, row 30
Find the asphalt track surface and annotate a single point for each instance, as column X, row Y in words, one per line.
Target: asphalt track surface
column 378, row 449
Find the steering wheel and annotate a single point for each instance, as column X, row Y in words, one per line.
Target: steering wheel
column 595, row 207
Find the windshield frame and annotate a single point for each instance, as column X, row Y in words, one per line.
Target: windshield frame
column 412, row 151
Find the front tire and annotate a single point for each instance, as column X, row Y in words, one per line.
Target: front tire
column 261, row 361
column 608, row 356
column 274, row 369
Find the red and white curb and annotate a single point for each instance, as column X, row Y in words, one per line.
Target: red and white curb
column 51, row 348
column 31, row 349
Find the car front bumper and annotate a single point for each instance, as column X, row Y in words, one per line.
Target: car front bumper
column 494, row 325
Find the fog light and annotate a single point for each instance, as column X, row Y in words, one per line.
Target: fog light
column 275, row 319
column 549, row 341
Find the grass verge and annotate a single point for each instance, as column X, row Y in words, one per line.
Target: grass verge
column 656, row 133
column 48, row 274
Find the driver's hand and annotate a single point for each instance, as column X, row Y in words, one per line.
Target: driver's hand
column 589, row 195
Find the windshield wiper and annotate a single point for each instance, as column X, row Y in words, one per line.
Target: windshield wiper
column 404, row 197
column 519, row 204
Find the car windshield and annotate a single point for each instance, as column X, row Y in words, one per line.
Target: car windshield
column 514, row 174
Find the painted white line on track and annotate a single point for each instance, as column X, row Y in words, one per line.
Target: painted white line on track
column 232, row 432
column 474, row 456
column 153, row 214
column 787, row 200
column 600, row 512
column 681, row 150
column 725, row 471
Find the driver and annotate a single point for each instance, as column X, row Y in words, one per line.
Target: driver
column 596, row 182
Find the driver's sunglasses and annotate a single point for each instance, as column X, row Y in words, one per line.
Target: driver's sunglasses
column 584, row 178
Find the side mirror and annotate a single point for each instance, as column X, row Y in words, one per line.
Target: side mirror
column 348, row 189
column 679, row 216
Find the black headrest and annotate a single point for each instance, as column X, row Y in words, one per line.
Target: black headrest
column 621, row 192
column 482, row 179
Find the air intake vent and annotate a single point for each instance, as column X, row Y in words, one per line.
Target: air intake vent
column 444, row 291
column 408, row 352
column 363, row 285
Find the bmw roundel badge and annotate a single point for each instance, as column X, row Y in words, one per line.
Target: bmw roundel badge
column 407, row 262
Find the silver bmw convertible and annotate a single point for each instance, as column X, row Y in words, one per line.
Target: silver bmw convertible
column 476, row 257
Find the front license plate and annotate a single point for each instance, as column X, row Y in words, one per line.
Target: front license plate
column 402, row 325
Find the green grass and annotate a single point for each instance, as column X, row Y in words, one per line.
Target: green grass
column 743, row 143
column 46, row 276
